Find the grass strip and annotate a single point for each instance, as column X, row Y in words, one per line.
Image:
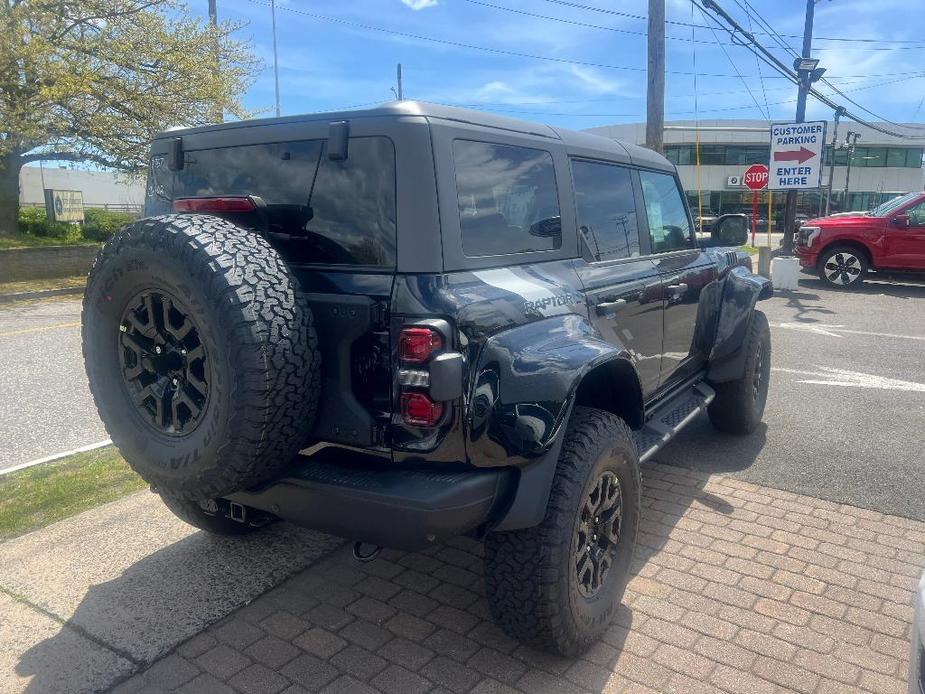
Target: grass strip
column 42, row 285
column 38, row 496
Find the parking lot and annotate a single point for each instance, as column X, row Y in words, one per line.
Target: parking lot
column 784, row 561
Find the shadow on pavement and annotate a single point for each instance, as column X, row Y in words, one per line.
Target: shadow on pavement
column 411, row 621
column 161, row 600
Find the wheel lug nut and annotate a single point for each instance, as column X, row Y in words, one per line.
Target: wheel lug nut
column 157, row 349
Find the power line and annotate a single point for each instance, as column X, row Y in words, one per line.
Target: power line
column 767, row 114
column 780, row 67
column 501, row 51
column 843, row 39
column 793, row 53
column 458, row 44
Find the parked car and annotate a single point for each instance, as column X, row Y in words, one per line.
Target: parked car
column 842, row 249
column 408, row 323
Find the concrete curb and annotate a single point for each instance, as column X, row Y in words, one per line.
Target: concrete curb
column 20, row 296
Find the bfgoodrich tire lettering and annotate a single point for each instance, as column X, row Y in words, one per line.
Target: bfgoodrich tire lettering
column 531, row 575
column 262, row 361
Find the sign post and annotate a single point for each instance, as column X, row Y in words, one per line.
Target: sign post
column 756, row 178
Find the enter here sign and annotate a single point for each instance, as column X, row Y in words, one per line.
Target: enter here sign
column 796, row 155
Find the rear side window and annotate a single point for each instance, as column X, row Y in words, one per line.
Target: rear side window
column 508, row 201
column 669, row 226
column 606, row 209
column 326, row 212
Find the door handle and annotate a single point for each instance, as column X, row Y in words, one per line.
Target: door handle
column 610, row 306
column 676, row 289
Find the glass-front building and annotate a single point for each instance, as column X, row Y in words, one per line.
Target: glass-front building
column 881, row 166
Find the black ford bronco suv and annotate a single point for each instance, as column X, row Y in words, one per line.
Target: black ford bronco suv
column 403, row 324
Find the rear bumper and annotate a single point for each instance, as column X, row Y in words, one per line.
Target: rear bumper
column 400, row 506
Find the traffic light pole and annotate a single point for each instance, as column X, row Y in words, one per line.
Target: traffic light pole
column 790, row 211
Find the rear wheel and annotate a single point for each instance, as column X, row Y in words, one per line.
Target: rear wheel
column 558, row 585
column 843, row 267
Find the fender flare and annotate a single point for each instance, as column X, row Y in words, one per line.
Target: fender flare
column 742, row 290
column 523, row 390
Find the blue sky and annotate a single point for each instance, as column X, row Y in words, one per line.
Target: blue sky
column 333, row 64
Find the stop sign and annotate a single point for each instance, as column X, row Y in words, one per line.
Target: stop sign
column 756, row 176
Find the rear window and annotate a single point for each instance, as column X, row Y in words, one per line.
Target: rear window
column 333, row 212
column 507, row 196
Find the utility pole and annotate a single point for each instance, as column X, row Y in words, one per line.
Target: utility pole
column 850, row 141
column 790, row 211
column 217, row 114
column 275, row 59
column 655, row 73
column 828, row 193
column 400, row 94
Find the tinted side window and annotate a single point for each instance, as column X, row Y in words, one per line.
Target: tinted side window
column 669, row 226
column 280, row 173
column 353, row 203
column 606, row 209
column 508, row 202
column 323, row 211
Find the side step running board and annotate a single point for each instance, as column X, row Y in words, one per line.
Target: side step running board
column 670, row 418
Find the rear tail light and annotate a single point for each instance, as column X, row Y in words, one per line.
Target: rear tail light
column 223, row 204
column 417, row 409
column 417, row 345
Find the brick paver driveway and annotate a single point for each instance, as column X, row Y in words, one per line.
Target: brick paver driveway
column 738, row 588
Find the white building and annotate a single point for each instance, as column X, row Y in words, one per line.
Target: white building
column 99, row 188
column 882, row 166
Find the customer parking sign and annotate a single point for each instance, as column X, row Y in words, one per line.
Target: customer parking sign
column 796, row 155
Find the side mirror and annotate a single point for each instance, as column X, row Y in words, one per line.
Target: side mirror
column 901, row 221
column 728, row 230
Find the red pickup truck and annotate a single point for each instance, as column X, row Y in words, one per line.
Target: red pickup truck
column 843, row 248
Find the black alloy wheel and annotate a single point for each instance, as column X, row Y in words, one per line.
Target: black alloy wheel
column 164, row 364
column 598, row 533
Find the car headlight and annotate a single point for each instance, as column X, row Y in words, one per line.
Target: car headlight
column 808, row 235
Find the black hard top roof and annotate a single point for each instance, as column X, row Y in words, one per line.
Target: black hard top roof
column 586, row 142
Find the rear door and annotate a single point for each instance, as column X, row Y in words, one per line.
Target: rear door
column 623, row 288
column 684, row 271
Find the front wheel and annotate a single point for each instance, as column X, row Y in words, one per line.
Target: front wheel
column 739, row 404
column 843, row 267
column 557, row 586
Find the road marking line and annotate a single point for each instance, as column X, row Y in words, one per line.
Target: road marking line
column 827, row 330
column 827, row 376
column 25, row 331
column 56, row 456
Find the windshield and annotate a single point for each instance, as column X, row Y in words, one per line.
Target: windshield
column 890, row 205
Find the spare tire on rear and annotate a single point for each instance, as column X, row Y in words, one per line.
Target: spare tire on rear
column 201, row 354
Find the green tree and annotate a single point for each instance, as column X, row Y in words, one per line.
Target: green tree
column 93, row 80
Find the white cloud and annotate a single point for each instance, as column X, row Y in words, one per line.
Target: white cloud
column 419, row 4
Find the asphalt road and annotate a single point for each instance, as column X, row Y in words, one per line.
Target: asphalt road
column 45, row 405
column 845, row 418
